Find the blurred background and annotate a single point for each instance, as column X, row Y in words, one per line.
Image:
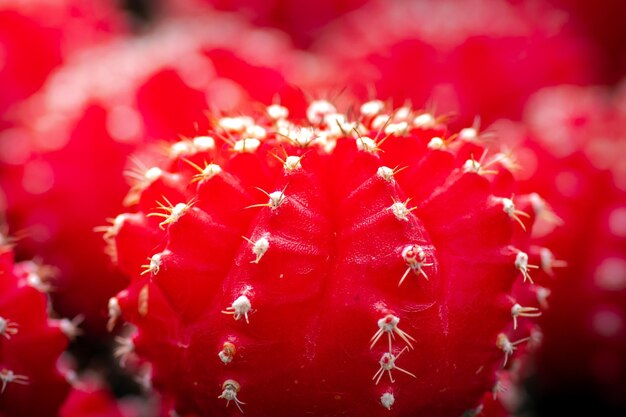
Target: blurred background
column 86, row 83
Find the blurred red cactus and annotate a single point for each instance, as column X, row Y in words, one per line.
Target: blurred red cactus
column 30, row 342
column 474, row 57
column 571, row 150
column 303, row 21
column 63, row 157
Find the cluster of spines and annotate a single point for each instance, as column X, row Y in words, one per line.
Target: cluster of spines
column 523, row 332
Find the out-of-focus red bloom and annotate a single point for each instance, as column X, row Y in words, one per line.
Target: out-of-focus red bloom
column 63, row 158
column 30, row 343
column 476, row 57
column 36, row 36
column 571, row 151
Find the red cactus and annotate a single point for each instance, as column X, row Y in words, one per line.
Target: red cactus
column 373, row 277
column 30, row 342
column 63, row 157
column 571, row 151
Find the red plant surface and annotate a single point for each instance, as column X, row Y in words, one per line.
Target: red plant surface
column 90, row 402
column 63, row 157
column 377, row 262
column 30, row 342
column 475, row 57
column 571, row 151
column 89, row 397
